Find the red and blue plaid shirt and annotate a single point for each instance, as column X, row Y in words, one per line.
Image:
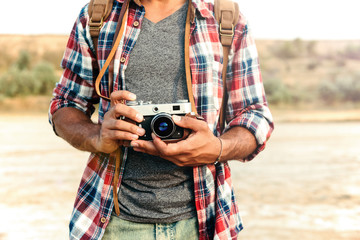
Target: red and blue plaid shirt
column 217, row 211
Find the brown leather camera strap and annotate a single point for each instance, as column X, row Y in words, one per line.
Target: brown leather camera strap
column 117, row 155
column 187, row 59
column 119, row 34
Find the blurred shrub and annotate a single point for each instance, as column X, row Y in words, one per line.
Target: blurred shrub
column 286, row 51
column 328, row 92
column 349, row 87
column 276, row 91
column 44, row 77
column 20, row 80
column 23, row 62
column 312, row 65
column 352, row 52
column 279, row 93
column 295, row 49
column 299, row 94
column 15, row 82
column 311, row 48
column 5, row 59
column 342, row 87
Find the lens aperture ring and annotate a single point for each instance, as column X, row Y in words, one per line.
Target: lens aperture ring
column 162, row 125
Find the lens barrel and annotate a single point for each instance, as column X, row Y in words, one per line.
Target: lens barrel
column 162, row 125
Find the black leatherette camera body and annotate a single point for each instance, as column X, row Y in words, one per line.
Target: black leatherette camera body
column 158, row 119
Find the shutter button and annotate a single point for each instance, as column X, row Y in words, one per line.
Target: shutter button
column 103, row 220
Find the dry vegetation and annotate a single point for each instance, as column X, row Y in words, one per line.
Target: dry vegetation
column 315, row 73
column 41, row 47
column 29, row 65
column 308, row 75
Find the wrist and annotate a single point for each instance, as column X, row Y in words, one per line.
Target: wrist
column 218, row 159
column 94, row 140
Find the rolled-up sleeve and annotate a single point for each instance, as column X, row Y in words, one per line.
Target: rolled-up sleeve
column 247, row 106
column 76, row 86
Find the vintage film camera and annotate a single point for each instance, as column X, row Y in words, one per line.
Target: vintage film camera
column 158, row 120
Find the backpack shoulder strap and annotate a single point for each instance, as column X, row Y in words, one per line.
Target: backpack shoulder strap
column 99, row 11
column 227, row 15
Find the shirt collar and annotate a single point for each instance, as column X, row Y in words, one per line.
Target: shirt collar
column 202, row 8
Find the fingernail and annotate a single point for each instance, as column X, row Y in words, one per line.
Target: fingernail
column 141, row 131
column 176, row 118
column 134, row 137
column 134, row 144
column 132, row 96
column 139, row 117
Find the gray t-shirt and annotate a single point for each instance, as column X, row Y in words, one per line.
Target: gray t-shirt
column 155, row 190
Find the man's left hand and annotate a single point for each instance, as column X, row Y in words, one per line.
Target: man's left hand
column 199, row 148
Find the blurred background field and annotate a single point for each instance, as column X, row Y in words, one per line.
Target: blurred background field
column 304, row 186
column 321, row 75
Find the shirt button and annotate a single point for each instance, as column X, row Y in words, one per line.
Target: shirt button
column 122, row 59
column 103, row 220
column 136, row 23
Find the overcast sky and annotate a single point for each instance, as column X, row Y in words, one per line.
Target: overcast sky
column 274, row 19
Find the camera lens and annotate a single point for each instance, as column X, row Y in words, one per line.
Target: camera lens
column 162, row 125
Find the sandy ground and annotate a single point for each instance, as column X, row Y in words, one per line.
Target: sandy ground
column 304, row 186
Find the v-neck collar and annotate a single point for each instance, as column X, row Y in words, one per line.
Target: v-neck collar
column 174, row 14
column 198, row 5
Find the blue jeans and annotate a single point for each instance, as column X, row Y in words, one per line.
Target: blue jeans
column 125, row 230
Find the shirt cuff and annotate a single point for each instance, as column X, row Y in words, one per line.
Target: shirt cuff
column 260, row 125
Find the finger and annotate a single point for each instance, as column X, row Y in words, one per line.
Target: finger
column 169, row 149
column 117, row 97
column 145, row 146
column 190, row 123
column 121, row 110
column 119, row 135
column 173, row 152
column 115, row 124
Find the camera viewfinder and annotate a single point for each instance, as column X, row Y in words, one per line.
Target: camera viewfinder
column 176, row 107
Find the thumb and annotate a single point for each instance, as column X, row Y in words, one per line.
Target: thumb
column 120, row 96
column 187, row 122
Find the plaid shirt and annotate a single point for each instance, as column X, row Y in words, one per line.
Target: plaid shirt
column 217, row 211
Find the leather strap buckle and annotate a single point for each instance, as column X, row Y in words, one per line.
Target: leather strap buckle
column 94, row 26
column 227, row 32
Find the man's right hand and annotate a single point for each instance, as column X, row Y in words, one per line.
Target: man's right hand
column 77, row 128
column 115, row 130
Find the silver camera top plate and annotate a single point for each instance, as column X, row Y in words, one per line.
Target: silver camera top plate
column 170, row 108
